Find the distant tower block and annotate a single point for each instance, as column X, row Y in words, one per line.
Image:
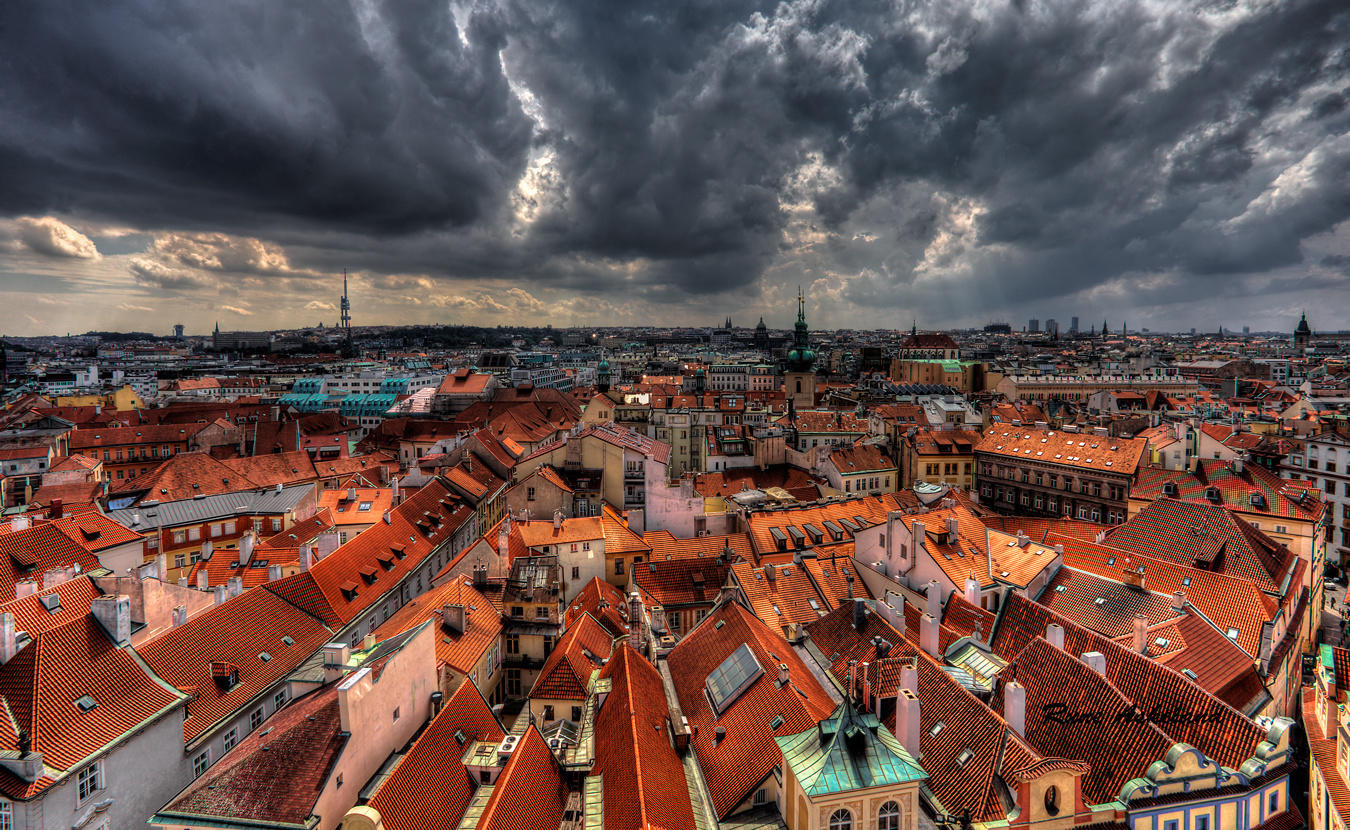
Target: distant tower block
column 178, row 330
column 345, row 318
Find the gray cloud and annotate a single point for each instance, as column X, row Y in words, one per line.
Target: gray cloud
column 949, row 160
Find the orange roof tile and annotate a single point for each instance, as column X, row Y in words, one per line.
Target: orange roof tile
column 430, row 788
column 1073, row 449
column 460, row 650
column 530, row 792
column 345, row 511
column 602, row 601
column 581, row 649
column 1280, row 498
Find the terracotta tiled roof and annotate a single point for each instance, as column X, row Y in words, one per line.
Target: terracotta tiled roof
column 29, row 553
column 40, row 686
column 872, row 509
column 299, row 533
column 1106, row 606
column 224, row 565
column 1037, row 527
column 677, row 583
column 271, row 469
column 1073, row 449
column 352, row 578
column 537, row 534
column 1207, row 536
column 781, row 594
column 348, row 512
column 619, row 537
column 92, row 437
column 602, row 601
column 862, row 458
column 461, row 650
column 273, row 775
column 1280, row 498
column 186, row 475
column 735, row 766
column 1227, row 601
column 73, row 597
column 235, row 632
column 644, row 782
column 944, row 442
column 547, row 473
column 1224, row 735
column 582, row 649
column 665, row 545
column 94, row 531
column 464, row 382
column 530, row 792
column 798, row 482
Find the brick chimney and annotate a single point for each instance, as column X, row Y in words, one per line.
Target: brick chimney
column 1141, row 633
column 452, row 617
column 114, row 615
column 1096, row 661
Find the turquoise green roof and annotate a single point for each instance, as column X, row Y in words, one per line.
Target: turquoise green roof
column 847, row 751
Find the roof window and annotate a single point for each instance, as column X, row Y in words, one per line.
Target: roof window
column 84, row 703
column 732, row 677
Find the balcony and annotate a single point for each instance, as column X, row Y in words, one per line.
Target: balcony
column 634, row 474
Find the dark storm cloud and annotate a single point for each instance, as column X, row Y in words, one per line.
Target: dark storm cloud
column 1077, row 144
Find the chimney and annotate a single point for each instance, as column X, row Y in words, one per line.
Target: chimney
column 934, row 592
column 658, row 615
column 203, row 580
column 1237, row 463
column 848, row 580
column 882, row 646
column 1179, row 601
column 557, row 520
column 25, row 588
column 1022, row 539
column 920, row 537
column 236, row 585
column 634, row 619
column 18, row 523
column 719, row 735
column 114, row 614
column 928, row 635
column 892, row 607
column 1141, row 633
column 179, row 615
column 909, row 675
column 273, row 573
column 480, row 573
column 221, row 594
column 182, row 582
column 1134, row 577
column 386, row 517
column 351, row 494
column 782, row 675
column 207, row 549
column 398, row 491
column 56, row 509
column 9, row 646
column 504, row 541
column 452, row 617
column 368, row 642
column 972, row 590
column 246, row 543
column 1096, row 661
column 1015, row 706
column 770, row 572
column 859, row 613
column 907, row 722
column 305, row 557
column 335, row 656
column 1054, row 635
column 162, row 567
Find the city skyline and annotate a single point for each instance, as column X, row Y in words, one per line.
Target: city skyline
column 504, row 163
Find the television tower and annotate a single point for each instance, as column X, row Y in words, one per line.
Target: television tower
column 345, row 318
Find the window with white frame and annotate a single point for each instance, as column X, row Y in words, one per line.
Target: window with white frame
column 89, row 781
column 231, row 738
column 6, row 815
column 255, row 720
column 201, row 763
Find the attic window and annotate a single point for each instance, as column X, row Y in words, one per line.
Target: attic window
column 288, row 640
column 1169, row 488
column 1161, row 642
column 964, row 757
column 1111, row 561
column 1233, row 634
column 936, row 728
column 1100, row 600
column 1059, row 589
column 732, row 677
column 1190, row 674
column 776, row 721
column 1186, row 581
column 460, row 737
column 265, row 657
column 1212, row 493
column 84, row 703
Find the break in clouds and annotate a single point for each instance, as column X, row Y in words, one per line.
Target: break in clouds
column 1174, row 162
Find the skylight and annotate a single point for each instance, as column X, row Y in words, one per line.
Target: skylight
column 85, row 703
column 1232, row 634
column 732, row 677
column 936, row 728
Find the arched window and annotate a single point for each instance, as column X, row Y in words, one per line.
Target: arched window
column 1051, row 800
column 799, row 384
column 841, row 819
column 888, row 817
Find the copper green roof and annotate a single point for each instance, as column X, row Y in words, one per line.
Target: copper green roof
column 847, row 751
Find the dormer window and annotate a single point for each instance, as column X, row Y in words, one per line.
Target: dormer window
column 1169, row 488
column 1212, row 494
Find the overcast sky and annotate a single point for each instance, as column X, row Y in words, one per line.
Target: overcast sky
column 1173, row 163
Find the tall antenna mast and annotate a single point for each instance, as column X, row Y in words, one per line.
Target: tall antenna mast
column 345, row 319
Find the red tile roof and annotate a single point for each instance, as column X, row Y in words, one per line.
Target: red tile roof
column 1073, row 449
column 681, row 583
column 1323, row 751
column 530, row 792
column 299, row 533
column 735, row 766
column 29, row 553
column 346, row 511
column 92, row 437
column 619, row 537
column 665, row 545
column 73, row 598
column 430, row 788
column 582, row 649
column 337, row 588
column 94, row 531
column 39, row 688
column 461, row 650
column 274, row 775
column 186, row 475
column 602, row 601
column 644, row 782
column 863, row 458
column 235, row 632
column 1209, row 537
column 1280, row 498
column 780, row 594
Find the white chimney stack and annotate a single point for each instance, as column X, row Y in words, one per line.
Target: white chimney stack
column 1096, row 661
column 236, row 585
column 9, row 646
column 246, row 543
column 907, row 722
column 203, row 580
column 1015, row 706
column 1179, row 601
column 972, row 590
column 928, row 635
column 1054, row 635
column 934, row 592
